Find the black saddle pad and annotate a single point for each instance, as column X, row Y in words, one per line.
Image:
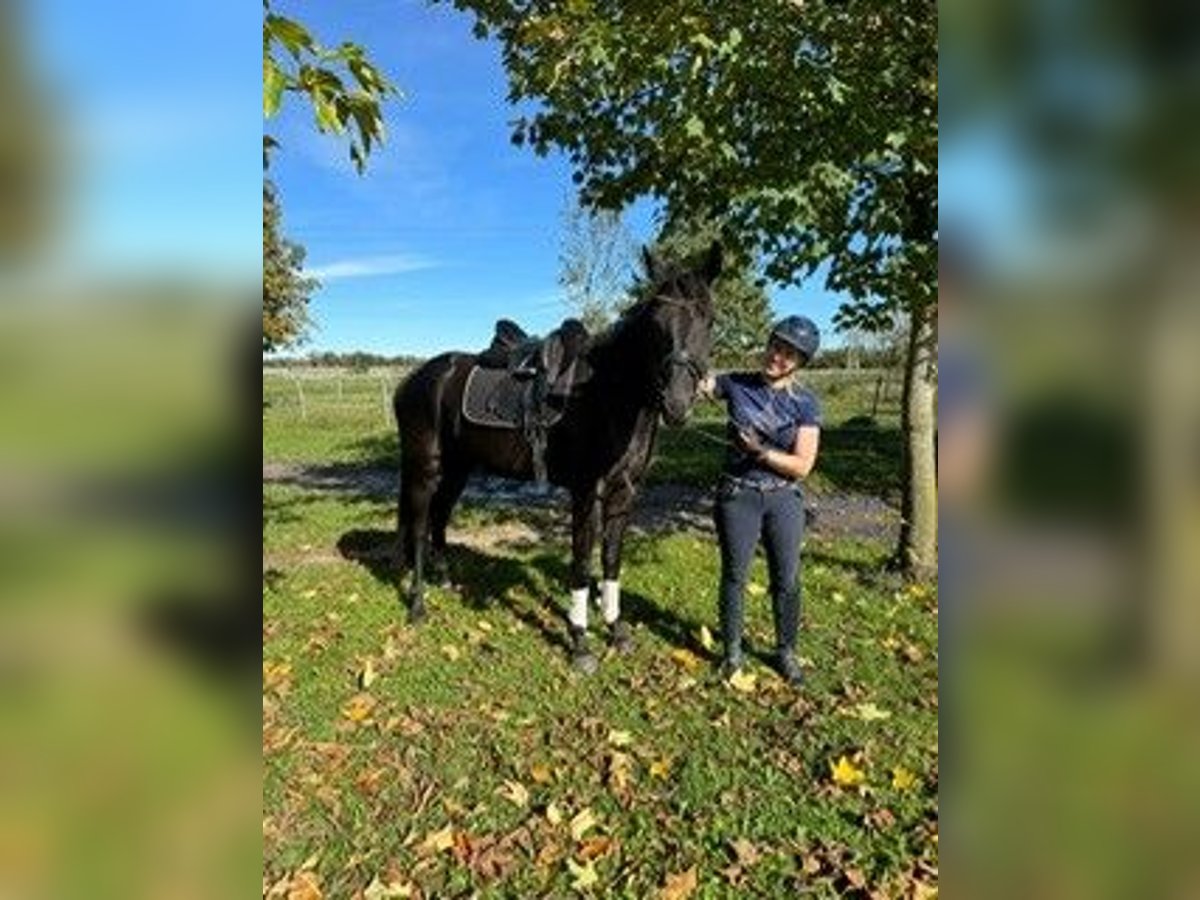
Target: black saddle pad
column 496, row 399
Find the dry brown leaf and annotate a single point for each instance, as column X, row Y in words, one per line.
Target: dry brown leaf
column 747, row 854
column 679, row 886
column 514, row 792
column 305, row 885
column 381, row 890
column 437, row 841
column 451, row 652
column 620, row 768
column 595, row 847
column 553, row 814
column 540, row 773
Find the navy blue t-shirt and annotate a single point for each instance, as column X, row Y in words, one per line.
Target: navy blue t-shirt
column 775, row 415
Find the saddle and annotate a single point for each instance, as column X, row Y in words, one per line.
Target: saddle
column 523, row 382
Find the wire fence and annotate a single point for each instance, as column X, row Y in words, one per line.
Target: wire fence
column 322, row 394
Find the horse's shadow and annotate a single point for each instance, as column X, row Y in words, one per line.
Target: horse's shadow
column 481, row 580
column 525, row 587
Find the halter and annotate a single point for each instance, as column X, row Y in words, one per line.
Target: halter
column 676, row 358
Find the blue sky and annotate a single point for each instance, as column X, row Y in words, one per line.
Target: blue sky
column 452, row 226
column 159, row 108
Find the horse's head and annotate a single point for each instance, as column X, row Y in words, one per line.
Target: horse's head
column 680, row 306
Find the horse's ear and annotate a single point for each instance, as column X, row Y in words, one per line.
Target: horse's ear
column 713, row 262
column 650, row 261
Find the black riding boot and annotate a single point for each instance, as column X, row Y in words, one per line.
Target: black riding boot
column 786, row 607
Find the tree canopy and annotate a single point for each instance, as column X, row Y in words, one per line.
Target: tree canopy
column 285, row 289
column 808, row 127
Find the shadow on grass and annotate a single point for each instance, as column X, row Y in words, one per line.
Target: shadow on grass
column 862, row 457
column 525, row 587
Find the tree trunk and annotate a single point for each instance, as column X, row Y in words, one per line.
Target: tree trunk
column 917, row 551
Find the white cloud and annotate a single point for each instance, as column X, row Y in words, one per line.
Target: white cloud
column 370, row 266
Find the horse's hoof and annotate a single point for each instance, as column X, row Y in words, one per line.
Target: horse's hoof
column 620, row 637
column 584, row 663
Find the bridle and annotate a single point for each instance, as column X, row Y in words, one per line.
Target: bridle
column 676, row 359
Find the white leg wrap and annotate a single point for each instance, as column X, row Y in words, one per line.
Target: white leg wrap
column 610, row 600
column 578, row 614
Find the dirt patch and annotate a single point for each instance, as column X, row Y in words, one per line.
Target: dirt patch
column 660, row 507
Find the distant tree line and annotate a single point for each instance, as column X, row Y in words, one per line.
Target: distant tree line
column 357, row 361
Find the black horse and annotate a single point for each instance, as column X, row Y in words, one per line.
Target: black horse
column 649, row 363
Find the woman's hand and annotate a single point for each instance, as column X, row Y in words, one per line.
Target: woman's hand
column 750, row 444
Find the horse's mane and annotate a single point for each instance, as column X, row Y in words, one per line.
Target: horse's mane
column 674, row 277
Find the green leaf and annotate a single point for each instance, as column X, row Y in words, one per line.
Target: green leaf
column 694, row 126
column 327, row 114
column 292, row 35
column 273, row 84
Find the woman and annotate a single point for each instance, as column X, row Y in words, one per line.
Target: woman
column 774, row 429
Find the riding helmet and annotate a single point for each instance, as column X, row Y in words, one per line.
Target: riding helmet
column 798, row 332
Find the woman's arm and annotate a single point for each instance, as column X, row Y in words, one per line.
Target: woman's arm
column 798, row 462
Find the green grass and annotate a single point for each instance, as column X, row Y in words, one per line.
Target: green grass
column 476, row 723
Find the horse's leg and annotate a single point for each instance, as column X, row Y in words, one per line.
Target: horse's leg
column 449, row 489
column 618, row 504
column 585, row 515
column 418, row 482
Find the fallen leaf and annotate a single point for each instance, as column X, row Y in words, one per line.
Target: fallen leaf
column 902, row 779
column 620, row 738
column 743, row 681
column 595, row 847
column 583, row 820
column 553, row 814
column 540, row 773
column 706, row 639
column 276, row 677
column 305, row 886
column 451, row 652
column 845, row 773
column 620, row 767
column 379, row 890
column 810, row 863
column 678, row 886
column 869, row 712
column 367, row 675
column 882, row 818
column 856, row 878
column 686, row 658
column 514, row 792
column 437, row 841
column 582, row 877
column 660, row 768
column 754, row 589
column 747, row 854
column 358, row 708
